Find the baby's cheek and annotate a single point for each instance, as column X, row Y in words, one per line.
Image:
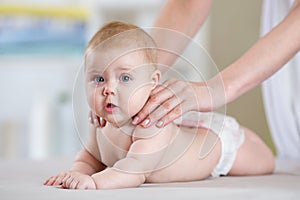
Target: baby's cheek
column 90, row 99
column 89, row 93
column 137, row 101
column 93, row 100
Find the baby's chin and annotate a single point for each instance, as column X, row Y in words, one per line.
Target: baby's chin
column 118, row 121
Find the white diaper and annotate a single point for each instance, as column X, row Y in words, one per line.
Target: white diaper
column 227, row 129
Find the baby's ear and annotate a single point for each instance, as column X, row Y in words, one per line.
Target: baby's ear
column 155, row 77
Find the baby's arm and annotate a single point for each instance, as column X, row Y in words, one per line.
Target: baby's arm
column 78, row 177
column 112, row 178
column 83, row 167
column 86, row 163
column 132, row 171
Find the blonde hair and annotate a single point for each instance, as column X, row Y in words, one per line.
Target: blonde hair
column 118, row 34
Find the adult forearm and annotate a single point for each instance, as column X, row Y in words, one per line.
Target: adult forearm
column 183, row 16
column 265, row 58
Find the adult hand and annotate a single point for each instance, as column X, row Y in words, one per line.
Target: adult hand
column 173, row 98
column 95, row 120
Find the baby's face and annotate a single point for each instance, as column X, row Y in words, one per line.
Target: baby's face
column 118, row 88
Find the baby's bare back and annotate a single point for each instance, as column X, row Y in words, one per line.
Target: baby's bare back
column 173, row 154
column 200, row 153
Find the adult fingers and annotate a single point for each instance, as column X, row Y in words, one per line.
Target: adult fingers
column 160, row 114
column 152, row 104
column 163, row 86
column 166, row 99
column 171, row 116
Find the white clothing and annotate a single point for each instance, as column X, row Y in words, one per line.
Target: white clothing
column 281, row 92
column 227, row 129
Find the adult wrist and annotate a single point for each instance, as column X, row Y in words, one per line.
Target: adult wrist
column 217, row 92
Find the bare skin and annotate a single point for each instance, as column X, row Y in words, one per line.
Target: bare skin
column 253, row 158
column 121, row 155
column 261, row 61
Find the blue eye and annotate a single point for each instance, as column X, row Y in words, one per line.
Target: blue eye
column 99, row 79
column 125, row 78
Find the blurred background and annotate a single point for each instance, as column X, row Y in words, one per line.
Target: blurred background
column 41, row 51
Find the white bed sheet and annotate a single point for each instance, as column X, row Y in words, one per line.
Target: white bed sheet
column 22, row 179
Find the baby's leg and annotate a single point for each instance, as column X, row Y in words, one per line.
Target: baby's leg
column 253, row 157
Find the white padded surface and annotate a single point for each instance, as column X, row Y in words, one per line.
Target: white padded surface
column 22, row 179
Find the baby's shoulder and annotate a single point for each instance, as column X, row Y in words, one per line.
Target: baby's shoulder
column 146, row 133
column 151, row 132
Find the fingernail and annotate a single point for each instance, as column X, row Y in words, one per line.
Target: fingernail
column 90, row 119
column 146, row 122
column 160, row 124
column 135, row 120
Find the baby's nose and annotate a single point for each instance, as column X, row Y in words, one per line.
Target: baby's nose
column 109, row 89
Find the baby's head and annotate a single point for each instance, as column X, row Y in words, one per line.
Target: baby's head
column 120, row 71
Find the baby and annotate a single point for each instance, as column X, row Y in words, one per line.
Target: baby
column 120, row 72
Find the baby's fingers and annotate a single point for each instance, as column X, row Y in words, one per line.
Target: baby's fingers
column 69, row 182
column 47, row 182
column 73, row 184
column 56, row 180
column 95, row 120
column 51, row 181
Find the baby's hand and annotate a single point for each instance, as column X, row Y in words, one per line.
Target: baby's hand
column 72, row 180
column 76, row 180
column 96, row 121
column 56, row 180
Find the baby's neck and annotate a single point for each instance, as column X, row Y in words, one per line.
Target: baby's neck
column 121, row 124
column 127, row 127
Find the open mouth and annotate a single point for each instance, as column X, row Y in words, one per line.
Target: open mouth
column 109, row 107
